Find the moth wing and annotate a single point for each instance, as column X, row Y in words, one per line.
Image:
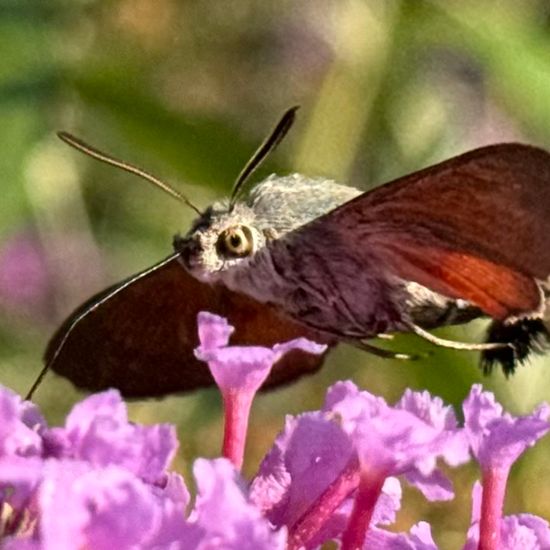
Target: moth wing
column 497, row 290
column 141, row 339
column 472, row 227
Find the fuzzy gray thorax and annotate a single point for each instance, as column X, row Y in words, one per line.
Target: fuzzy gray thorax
column 286, row 203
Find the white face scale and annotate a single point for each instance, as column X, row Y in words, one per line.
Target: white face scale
column 221, row 239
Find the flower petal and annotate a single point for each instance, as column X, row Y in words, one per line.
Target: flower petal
column 224, row 513
column 497, row 438
column 101, row 509
column 20, row 426
column 97, row 430
column 214, row 331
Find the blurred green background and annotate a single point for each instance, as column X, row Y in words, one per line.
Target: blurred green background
column 188, row 89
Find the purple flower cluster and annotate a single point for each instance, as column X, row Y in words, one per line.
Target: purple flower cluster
column 101, row 481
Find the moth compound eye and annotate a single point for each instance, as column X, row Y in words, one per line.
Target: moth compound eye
column 235, row 242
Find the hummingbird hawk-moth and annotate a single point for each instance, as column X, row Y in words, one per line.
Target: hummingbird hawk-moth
column 301, row 256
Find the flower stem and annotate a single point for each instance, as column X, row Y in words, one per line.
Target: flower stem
column 237, row 406
column 494, row 488
column 309, row 524
column 368, row 492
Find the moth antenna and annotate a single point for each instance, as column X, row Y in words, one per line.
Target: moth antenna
column 132, row 169
column 92, row 307
column 267, row 146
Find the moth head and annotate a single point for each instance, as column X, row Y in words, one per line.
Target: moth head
column 225, row 237
column 222, row 238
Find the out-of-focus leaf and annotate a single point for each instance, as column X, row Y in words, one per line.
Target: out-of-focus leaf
column 21, row 128
column 516, row 58
column 25, row 48
column 511, row 53
column 36, row 87
column 204, row 149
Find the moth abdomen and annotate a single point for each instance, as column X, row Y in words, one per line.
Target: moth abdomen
column 527, row 336
column 431, row 309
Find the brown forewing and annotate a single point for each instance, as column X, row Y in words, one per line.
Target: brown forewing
column 141, row 340
column 476, row 226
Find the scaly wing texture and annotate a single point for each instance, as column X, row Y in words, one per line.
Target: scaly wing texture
column 141, row 340
column 475, row 227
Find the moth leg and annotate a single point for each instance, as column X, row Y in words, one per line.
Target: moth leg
column 385, row 336
column 457, row 345
column 385, row 353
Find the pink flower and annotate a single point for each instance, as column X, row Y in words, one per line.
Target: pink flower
column 523, row 531
column 239, row 371
column 497, row 439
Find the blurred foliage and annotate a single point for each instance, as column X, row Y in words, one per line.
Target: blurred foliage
column 188, row 89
